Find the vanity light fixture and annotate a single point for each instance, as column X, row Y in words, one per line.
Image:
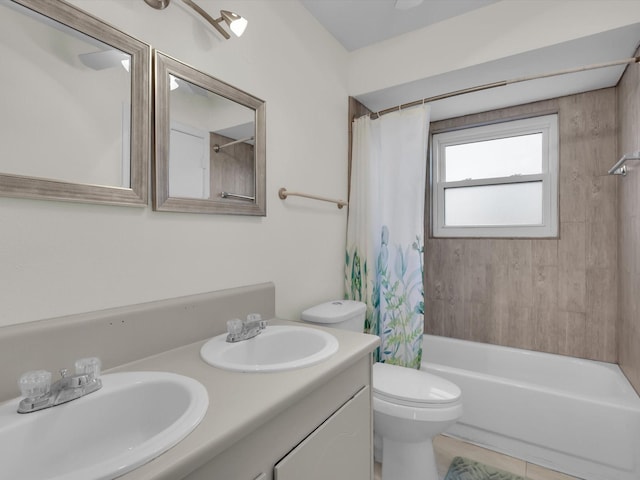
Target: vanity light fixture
column 158, row 4
column 236, row 22
column 104, row 59
column 173, row 83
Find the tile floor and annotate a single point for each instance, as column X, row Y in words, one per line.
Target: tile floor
column 447, row 448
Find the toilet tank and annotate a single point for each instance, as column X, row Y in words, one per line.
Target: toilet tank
column 342, row 314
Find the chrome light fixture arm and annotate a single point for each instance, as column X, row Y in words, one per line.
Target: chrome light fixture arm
column 239, row 23
column 208, row 18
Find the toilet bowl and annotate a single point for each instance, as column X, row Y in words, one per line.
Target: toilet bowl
column 410, row 406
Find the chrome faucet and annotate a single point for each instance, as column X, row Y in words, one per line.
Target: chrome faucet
column 39, row 393
column 239, row 330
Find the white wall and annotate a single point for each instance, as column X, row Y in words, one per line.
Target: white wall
column 60, row 258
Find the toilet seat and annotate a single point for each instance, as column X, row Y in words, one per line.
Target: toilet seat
column 412, row 388
column 434, row 414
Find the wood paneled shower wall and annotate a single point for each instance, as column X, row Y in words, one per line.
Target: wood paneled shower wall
column 628, row 325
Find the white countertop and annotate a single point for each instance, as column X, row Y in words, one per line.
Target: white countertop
column 238, row 402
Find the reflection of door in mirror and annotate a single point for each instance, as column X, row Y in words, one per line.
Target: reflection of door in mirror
column 70, row 101
column 188, row 162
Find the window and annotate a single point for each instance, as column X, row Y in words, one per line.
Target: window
column 498, row 180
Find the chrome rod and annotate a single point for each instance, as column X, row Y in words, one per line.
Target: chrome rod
column 238, row 196
column 217, row 148
column 620, row 168
column 283, row 193
column 503, row 83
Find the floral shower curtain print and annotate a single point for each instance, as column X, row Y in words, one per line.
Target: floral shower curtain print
column 384, row 257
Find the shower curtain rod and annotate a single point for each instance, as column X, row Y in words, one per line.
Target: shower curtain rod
column 216, row 147
column 503, row 83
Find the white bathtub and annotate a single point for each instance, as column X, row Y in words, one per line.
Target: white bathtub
column 576, row 416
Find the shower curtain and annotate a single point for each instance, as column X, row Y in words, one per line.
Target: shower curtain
column 384, row 263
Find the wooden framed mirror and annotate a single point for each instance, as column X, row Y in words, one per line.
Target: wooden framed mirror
column 75, row 96
column 210, row 154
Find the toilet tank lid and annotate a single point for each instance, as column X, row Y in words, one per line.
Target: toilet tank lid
column 410, row 386
column 334, row 311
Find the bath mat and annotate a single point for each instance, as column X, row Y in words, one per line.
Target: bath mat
column 465, row 469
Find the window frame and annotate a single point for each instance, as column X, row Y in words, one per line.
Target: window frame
column 547, row 125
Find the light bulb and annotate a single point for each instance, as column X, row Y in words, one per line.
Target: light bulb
column 238, row 26
column 173, row 83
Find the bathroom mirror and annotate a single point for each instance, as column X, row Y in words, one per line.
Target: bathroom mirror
column 209, row 144
column 75, row 100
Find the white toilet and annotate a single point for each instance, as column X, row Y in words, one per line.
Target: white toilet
column 410, row 406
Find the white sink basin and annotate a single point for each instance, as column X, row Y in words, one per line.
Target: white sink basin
column 135, row 417
column 276, row 348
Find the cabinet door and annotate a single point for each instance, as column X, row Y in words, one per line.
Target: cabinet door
column 340, row 449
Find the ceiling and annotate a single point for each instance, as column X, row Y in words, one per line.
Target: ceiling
column 360, row 23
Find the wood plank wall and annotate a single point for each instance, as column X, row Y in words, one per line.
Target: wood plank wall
column 551, row 295
column 628, row 98
column 232, row 168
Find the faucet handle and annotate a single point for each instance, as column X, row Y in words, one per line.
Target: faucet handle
column 35, row 383
column 234, row 326
column 89, row 366
column 256, row 317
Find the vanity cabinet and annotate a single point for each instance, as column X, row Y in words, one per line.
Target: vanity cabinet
column 326, row 434
column 339, row 448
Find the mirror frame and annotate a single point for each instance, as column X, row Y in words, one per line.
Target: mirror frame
column 140, row 70
column 165, row 65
